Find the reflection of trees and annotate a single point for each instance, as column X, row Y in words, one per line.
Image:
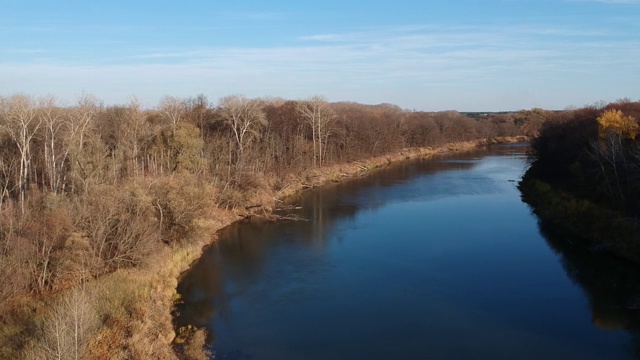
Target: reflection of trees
column 611, row 284
column 235, row 262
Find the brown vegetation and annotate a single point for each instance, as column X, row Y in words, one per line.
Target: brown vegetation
column 585, row 176
column 101, row 207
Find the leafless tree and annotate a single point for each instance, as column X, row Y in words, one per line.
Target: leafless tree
column 68, row 328
column 18, row 118
column 610, row 155
column 8, row 166
column 55, row 131
column 244, row 117
column 125, row 131
column 199, row 112
column 320, row 118
column 172, row 110
column 120, row 226
column 81, row 141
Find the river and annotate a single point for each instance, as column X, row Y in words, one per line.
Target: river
column 426, row 259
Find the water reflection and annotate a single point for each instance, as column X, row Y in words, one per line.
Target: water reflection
column 424, row 259
column 238, row 257
column 611, row 284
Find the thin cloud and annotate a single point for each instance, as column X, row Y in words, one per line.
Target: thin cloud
column 395, row 64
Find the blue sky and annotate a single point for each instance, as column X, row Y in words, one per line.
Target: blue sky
column 481, row 55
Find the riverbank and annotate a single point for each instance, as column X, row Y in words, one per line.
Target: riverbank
column 140, row 300
column 584, row 176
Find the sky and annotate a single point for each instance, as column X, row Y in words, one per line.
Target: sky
column 480, row 55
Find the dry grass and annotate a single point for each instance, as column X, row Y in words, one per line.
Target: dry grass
column 137, row 303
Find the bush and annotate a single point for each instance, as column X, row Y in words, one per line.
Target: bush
column 119, row 224
column 179, row 201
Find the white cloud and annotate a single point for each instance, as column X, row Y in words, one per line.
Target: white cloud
column 422, row 67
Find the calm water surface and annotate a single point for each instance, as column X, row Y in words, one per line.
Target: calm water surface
column 429, row 259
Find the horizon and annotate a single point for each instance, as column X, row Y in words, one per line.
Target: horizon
column 466, row 56
column 213, row 103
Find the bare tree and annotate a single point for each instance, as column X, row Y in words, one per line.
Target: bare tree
column 125, row 131
column 79, row 124
column 120, row 225
column 609, row 153
column 54, row 130
column 65, row 133
column 198, row 111
column 172, row 110
column 8, row 166
column 18, row 118
column 68, row 328
column 244, row 117
column 83, row 117
column 320, row 117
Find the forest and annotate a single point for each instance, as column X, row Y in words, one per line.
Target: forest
column 91, row 191
column 585, row 176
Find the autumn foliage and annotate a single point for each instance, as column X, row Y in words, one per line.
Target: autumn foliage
column 89, row 189
column 613, row 121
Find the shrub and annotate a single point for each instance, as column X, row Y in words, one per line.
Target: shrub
column 179, row 201
column 119, row 224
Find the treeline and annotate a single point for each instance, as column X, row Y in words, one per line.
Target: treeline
column 86, row 189
column 585, row 175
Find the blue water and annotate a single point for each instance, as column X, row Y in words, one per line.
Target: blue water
column 428, row 259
